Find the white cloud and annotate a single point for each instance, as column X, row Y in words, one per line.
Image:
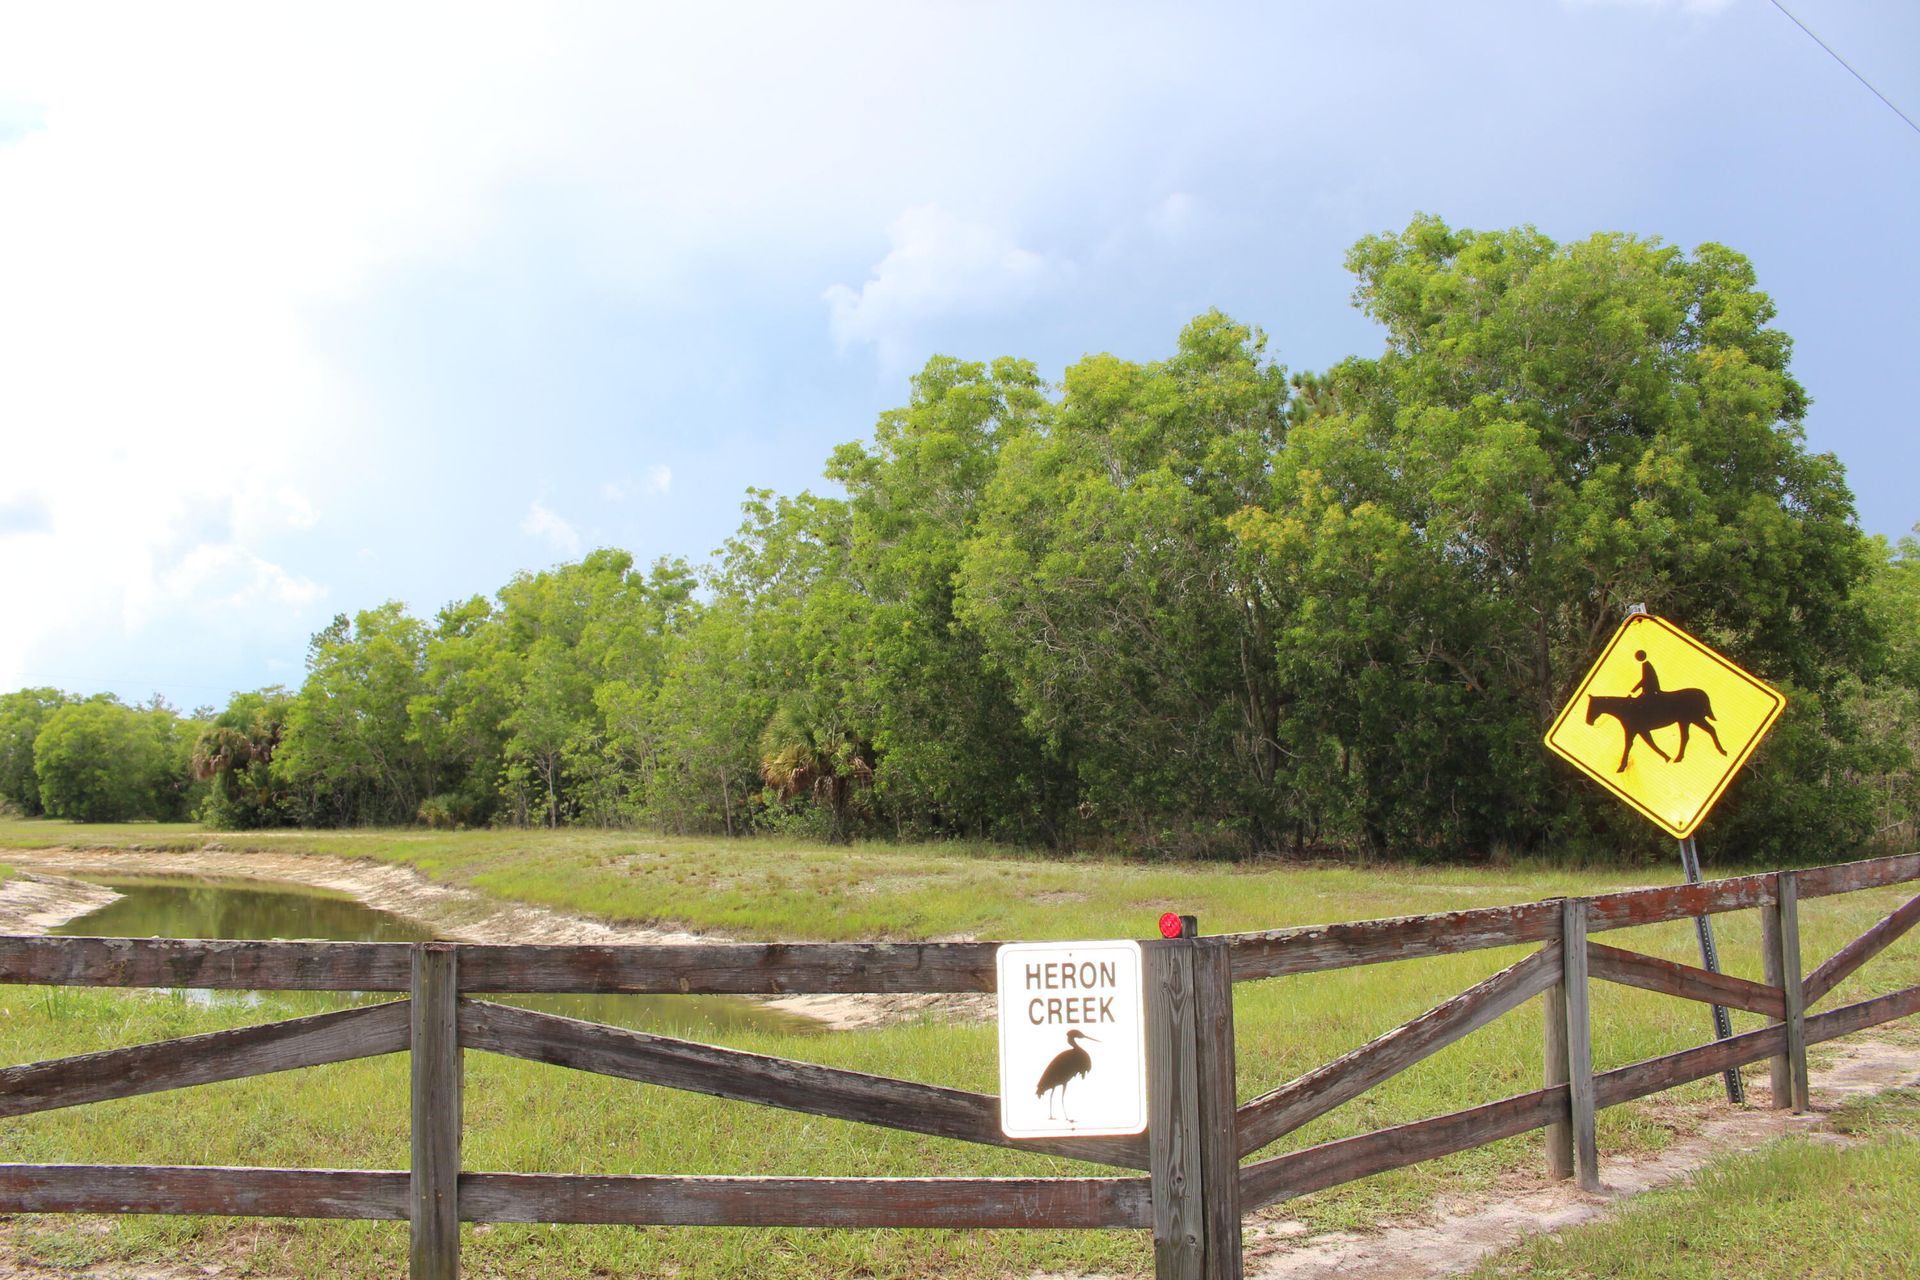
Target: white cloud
column 613, row 491
column 939, row 266
column 659, row 477
column 551, row 529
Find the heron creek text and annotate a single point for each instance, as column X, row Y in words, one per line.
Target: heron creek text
column 1068, row 976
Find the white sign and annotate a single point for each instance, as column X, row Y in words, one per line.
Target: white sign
column 1073, row 1040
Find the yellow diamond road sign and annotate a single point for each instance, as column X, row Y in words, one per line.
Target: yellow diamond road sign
column 1664, row 722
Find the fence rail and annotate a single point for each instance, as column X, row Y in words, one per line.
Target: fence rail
column 1195, row 1187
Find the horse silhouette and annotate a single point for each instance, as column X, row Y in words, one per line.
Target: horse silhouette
column 1639, row 717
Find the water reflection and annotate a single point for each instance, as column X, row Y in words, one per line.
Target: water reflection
column 194, row 907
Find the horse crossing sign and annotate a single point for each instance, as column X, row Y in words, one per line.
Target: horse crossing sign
column 1664, row 722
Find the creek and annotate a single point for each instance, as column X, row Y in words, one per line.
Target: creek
column 196, row 907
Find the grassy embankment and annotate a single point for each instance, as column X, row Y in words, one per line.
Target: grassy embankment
column 526, row 1117
column 1799, row 1209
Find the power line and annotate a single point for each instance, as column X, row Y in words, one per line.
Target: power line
column 1849, row 66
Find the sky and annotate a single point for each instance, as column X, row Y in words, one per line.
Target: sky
column 303, row 309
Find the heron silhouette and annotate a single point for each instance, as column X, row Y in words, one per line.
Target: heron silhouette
column 1067, row 1065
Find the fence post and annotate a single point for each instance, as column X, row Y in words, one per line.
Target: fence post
column 432, row 1193
column 1173, row 1113
column 1219, row 1139
column 1554, row 1055
column 1771, row 952
column 1790, row 987
column 1579, row 1059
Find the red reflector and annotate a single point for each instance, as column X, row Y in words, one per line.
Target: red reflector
column 1170, row 925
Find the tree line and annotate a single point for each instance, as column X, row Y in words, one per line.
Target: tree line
column 1196, row 605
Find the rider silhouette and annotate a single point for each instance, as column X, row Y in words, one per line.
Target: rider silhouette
column 1649, row 678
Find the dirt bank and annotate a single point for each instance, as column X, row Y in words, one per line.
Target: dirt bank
column 35, row 903
column 450, row 911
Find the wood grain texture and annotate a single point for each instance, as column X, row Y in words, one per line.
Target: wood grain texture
column 1844, row 962
column 206, row 965
column 1331, row 1163
column 1053, row 1203
column 768, row 1081
column 1580, row 1095
column 1780, row 1079
column 205, row 1059
column 201, row 1189
column 1274, row 953
column 1173, row 1113
column 1863, row 1014
column 1795, row 1019
column 1319, row 1091
column 1689, row 982
column 1224, row 1257
column 1553, row 1073
column 433, row 1192
column 734, row 968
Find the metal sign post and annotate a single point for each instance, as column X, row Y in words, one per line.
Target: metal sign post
column 1710, row 961
column 1655, row 678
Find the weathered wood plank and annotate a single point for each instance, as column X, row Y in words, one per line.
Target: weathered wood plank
column 1173, row 1113
column 734, row 968
column 202, row 964
column 202, row 1189
column 1580, row 1096
column 1219, row 1144
column 773, row 1082
column 1842, row 964
column 1331, row 1163
column 1780, row 1079
column 1863, row 1014
column 1846, row 877
column 1689, row 982
column 204, row 1059
column 1791, row 988
column 433, row 1191
column 1553, row 1020
column 641, row 1200
column 1314, row 948
column 1639, row 1079
column 1319, row 1091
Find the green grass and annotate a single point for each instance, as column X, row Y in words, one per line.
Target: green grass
column 1799, row 1209
column 522, row 1116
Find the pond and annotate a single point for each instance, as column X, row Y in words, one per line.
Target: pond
column 195, row 907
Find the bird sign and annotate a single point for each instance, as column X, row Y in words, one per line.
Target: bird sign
column 1073, row 1039
column 1664, row 722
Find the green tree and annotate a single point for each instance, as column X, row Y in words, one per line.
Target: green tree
column 1553, row 432
column 103, row 761
column 233, row 752
column 954, row 755
column 346, row 752
column 1107, row 586
column 22, row 713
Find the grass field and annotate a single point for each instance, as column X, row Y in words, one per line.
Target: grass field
column 1800, row 1209
column 522, row 1116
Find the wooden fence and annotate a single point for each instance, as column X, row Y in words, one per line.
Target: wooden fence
column 1196, row 1185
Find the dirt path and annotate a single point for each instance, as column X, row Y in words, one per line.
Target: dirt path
column 451, row 912
column 1458, row 1236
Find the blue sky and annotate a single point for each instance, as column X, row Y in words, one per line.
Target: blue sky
column 304, row 311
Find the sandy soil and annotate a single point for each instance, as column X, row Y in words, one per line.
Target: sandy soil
column 1457, row 1236
column 451, row 912
column 31, row 903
